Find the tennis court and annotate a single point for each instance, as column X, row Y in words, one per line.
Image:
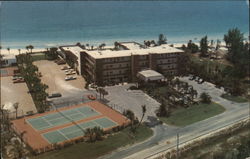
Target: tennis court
column 66, row 124
column 62, row 117
column 78, row 130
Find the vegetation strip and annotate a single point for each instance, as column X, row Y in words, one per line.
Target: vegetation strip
column 195, row 113
column 86, row 150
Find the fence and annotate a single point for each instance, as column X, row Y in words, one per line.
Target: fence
column 12, row 115
column 116, row 107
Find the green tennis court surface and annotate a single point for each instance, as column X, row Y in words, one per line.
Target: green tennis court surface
column 74, row 131
column 62, row 117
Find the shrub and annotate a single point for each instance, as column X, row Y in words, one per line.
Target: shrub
column 205, row 98
column 133, row 88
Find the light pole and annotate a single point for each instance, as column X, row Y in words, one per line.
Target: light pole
column 177, row 146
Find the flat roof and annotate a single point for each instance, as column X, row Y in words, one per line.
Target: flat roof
column 74, row 49
column 8, row 57
column 131, row 45
column 162, row 49
column 150, row 73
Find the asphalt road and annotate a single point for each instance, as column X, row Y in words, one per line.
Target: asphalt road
column 165, row 136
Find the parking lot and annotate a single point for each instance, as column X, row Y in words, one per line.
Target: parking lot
column 54, row 77
column 73, row 91
column 120, row 98
column 18, row 92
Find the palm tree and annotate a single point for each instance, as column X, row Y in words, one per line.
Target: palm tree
column 116, row 45
column 8, row 49
column 90, row 134
column 31, row 47
column 102, row 46
column 131, row 116
column 16, row 107
column 87, row 45
column 98, row 133
column 144, row 109
column 162, row 39
column 27, row 48
column 78, row 44
column 104, row 93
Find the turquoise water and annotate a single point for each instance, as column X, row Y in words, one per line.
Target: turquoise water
column 45, row 24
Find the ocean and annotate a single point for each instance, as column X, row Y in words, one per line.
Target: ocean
column 47, row 24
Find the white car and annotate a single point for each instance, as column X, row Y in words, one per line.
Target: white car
column 69, row 78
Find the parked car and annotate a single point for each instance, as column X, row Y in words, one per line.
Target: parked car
column 92, row 97
column 61, row 62
column 70, row 72
column 69, row 78
column 92, row 85
column 19, row 80
column 16, row 77
column 64, row 68
column 55, row 95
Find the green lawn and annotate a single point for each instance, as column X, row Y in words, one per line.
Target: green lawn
column 93, row 150
column 237, row 99
column 207, row 62
column 38, row 56
column 195, row 113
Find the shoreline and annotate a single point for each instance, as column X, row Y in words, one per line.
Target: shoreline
column 15, row 51
column 96, row 42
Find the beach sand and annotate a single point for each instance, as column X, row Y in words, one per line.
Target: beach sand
column 15, row 51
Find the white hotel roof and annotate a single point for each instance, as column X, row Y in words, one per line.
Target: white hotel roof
column 163, row 49
column 131, row 45
column 74, row 49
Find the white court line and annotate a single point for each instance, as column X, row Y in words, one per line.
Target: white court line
column 108, row 119
column 47, row 121
column 56, row 118
column 97, row 123
column 81, row 113
column 71, row 132
column 62, row 134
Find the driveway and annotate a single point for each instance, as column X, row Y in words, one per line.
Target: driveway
column 165, row 136
column 120, row 98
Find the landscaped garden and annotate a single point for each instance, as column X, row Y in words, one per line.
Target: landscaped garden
column 180, row 104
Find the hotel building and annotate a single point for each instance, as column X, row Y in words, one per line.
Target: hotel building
column 123, row 63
